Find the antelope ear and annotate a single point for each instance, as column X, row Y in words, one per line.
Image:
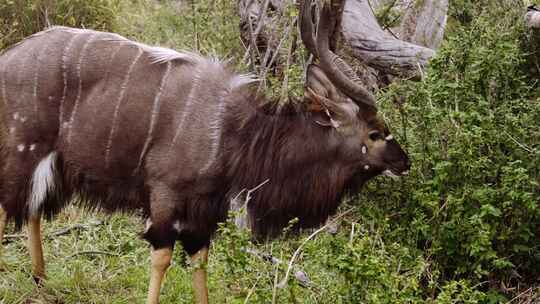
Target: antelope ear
column 318, row 82
column 313, row 101
column 317, row 104
column 322, row 96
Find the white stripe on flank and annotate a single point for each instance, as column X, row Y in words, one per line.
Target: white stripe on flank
column 107, row 76
column 42, row 50
column 4, row 73
column 22, row 67
column 187, row 110
column 42, row 182
column 65, row 54
column 79, row 88
column 217, row 128
column 36, row 76
column 123, row 88
column 155, row 112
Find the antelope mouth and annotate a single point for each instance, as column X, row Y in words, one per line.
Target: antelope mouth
column 395, row 174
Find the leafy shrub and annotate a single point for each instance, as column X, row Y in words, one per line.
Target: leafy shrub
column 471, row 127
column 208, row 27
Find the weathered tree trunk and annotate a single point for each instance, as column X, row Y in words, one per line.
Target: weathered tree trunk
column 402, row 52
column 378, row 48
column 423, row 23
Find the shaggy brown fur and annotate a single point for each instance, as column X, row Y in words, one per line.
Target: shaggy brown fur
column 175, row 135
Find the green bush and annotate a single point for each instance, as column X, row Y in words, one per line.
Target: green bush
column 208, row 27
column 472, row 129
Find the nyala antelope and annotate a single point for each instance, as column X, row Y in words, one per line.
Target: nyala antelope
column 126, row 126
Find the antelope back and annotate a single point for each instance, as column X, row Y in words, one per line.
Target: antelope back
column 98, row 97
column 110, row 116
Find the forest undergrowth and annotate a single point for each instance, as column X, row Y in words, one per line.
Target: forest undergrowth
column 463, row 227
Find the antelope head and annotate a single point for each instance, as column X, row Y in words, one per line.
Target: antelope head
column 339, row 102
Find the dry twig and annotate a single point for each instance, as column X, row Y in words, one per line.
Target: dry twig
column 60, row 232
column 283, row 282
column 91, row 252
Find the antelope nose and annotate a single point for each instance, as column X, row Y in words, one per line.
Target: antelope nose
column 408, row 164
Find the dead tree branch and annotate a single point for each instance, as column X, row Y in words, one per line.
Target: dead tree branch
column 424, row 23
column 240, row 203
column 300, row 275
column 283, row 282
column 378, row 48
column 63, row 231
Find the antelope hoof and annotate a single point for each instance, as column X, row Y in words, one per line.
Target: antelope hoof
column 38, row 280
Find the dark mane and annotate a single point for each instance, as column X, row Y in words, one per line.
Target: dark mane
column 306, row 178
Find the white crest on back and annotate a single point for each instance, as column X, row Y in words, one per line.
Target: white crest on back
column 158, row 54
column 164, row 55
column 240, row 80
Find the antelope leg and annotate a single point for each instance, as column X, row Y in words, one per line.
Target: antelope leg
column 161, row 260
column 3, row 222
column 200, row 289
column 35, row 248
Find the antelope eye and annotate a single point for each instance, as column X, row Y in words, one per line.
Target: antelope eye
column 375, row 135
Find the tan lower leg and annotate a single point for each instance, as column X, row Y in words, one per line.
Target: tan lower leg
column 3, row 222
column 34, row 246
column 199, row 276
column 161, row 260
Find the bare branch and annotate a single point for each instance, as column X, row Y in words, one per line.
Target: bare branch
column 237, row 204
column 268, row 64
column 283, row 282
column 253, row 15
column 92, row 252
column 52, row 235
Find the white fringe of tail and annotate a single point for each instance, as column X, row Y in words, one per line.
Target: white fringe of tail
column 42, row 182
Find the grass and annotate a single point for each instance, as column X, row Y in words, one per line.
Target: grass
column 102, row 259
column 412, row 241
column 74, row 273
column 105, row 261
